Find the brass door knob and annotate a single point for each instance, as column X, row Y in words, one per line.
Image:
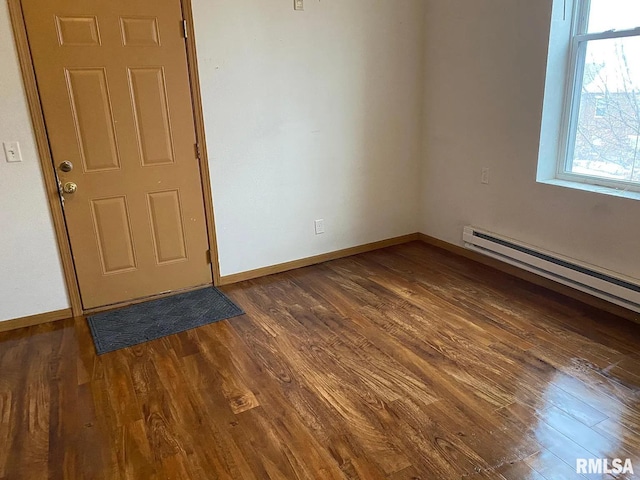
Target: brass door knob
column 70, row 187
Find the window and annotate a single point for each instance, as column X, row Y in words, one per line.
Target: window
column 602, row 109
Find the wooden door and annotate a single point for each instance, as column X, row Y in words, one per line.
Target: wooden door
column 114, row 87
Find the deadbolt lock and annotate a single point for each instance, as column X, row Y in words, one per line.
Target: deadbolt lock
column 69, row 187
column 66, row 166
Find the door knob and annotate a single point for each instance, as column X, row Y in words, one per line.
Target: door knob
column 66, row 166
column 70, row 187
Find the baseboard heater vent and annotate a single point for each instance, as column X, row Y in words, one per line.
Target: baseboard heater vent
column 613, row 287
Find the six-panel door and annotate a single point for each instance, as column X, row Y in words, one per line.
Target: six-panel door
column 114, row 87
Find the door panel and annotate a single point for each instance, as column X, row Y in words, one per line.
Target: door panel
column 140, row 32
column 114, row 87
column 149, row 95
column 78, row 31
column 112, row 226
column 166, row 223
column 92, row 118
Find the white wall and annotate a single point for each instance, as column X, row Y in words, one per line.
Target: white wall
column 309, row 115
column 485, row 73
column 31, row 280
column 317, row 114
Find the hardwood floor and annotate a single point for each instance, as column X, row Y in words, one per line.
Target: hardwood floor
column 403, row 363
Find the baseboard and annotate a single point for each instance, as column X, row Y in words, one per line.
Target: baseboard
column 532, row 278
column 35, row 319
column 325, row 257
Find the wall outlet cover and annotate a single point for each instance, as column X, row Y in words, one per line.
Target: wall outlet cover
column 484, row 176
column 12, row 152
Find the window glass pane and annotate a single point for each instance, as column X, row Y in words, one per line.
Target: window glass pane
column 608, row 126
column 613, row 14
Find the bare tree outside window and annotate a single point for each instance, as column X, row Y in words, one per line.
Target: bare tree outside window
column 608, row 127
column 605, row 134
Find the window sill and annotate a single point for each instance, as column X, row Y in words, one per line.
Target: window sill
column 592, row 188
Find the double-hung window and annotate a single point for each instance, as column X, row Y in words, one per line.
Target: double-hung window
column 600, row 141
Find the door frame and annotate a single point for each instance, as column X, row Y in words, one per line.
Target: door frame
column 48, row 166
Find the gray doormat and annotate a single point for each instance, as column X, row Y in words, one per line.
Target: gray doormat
column 158, row 318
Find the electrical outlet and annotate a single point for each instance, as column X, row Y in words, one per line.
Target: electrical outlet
column 12, row 152
column 319, row 226
column 484, row 177
column 298, row 4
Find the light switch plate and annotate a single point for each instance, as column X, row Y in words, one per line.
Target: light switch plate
column 298, row 4
column 12, row 152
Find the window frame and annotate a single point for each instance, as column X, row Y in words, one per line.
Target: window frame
column 579, row 40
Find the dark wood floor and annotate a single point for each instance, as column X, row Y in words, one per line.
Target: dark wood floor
column 403, row 363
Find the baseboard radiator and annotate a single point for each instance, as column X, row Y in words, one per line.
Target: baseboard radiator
column 611, row 286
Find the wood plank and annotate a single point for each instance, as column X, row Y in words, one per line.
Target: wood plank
column 401, row 363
